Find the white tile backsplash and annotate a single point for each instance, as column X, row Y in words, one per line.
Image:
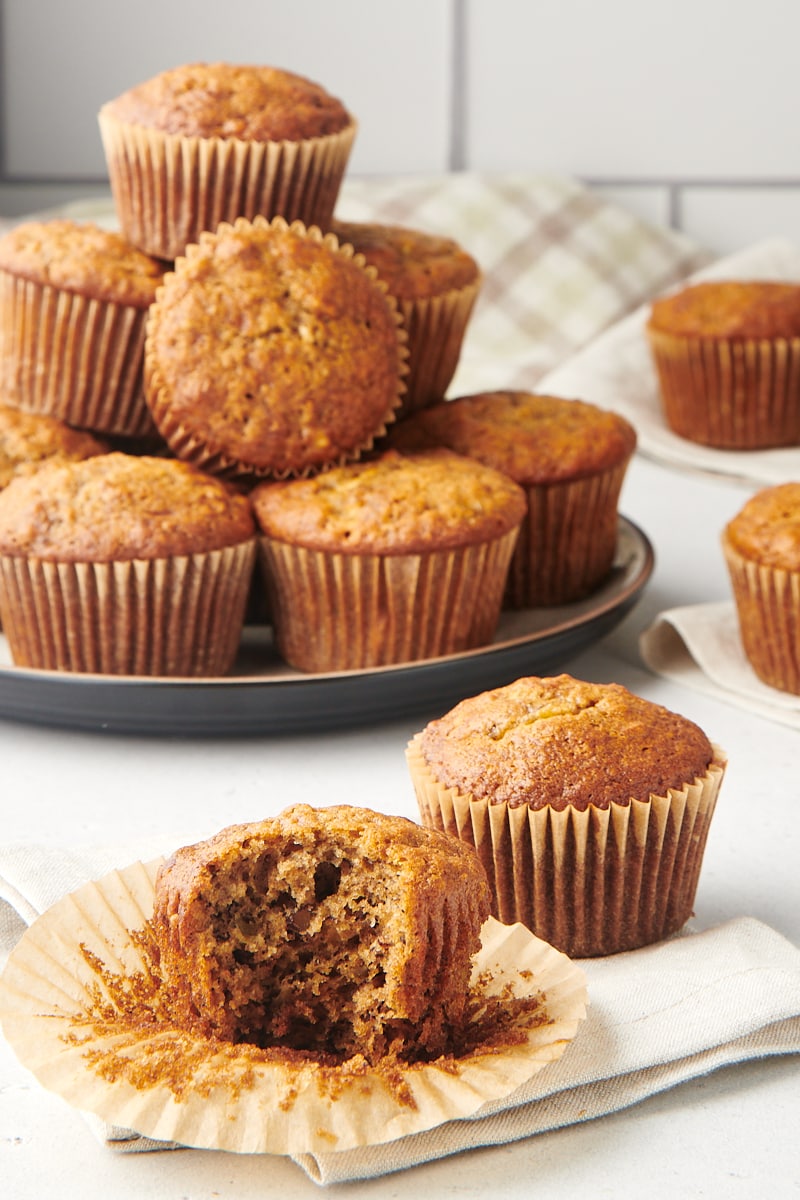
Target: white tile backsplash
column 725, row 218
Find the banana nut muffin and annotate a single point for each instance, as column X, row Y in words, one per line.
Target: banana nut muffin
column 29, row 439
column 73, row 305
column 726, row 354
column 761, row 544
column 271, row 351
column 436, row 283
column 203, row 143
column 337, row 931
column 124, row 565
column 570, row 457
column 391, row 559
column 589, row 806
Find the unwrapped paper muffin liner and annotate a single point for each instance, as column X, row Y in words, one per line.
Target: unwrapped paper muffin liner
column 179, row 616
column 768, row 610
column 168, row 188
column 341, row 612
column 567, row 540
column 72, row 357
column 83, row 1008
column 436, row 326
column 186, row 444
column 733, row 394
column 590, row 882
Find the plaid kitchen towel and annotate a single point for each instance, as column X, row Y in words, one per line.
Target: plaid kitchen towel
column 560, row 262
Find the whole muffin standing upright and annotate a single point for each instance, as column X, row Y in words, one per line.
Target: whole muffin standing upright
column 74, row 300
column 761, row 544
column 124, row 565
column 436, row 283
column 271, row 351
column 570, row 458
column 393, row 559
column 204, row 143
column 727, row 355
column 589, row 807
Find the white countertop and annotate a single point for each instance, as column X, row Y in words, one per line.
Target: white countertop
column 729, row 1134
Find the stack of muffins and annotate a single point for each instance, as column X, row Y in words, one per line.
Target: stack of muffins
column 245, row 353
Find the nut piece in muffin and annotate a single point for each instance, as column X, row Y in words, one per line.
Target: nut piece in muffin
column 124, row 565
column 589, row 807
column 73, row 306
column 398, row 558
column 436, row 283
column 761, row 544
column 204, row 143
column 271, row 351
column 335, row 931
column 570, row 458
column 29, row 439
column 727, row 355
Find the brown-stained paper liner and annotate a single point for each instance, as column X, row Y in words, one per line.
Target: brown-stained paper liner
column 178, row 616
column 59, row 1012
column 436, row 326
column 590, row 882
column 768, row 612
column 567, row 540
column 215, row 459
column 730, row 393
column 168, row 188
column 341, row 612
column 73, row 357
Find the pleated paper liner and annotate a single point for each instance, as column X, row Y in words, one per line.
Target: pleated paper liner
column 341, row 612
column 212, row 455
column 733, row 394
column 436, row 327
column 590, row 882
column 567, row 540
column 180, row 616
column 768, row 609
column 82, row 1006
column 167, row 188
column 74, row 358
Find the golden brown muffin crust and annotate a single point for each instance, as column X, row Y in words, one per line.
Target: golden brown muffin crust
column 414, row 265
column 83, row 259
column 226, row 100
column 272, row 347
column 767, row 529
column 117, row 507
column 559, row 741
column 27, row 439
column 534, row 439
column 730, row 309
column 393, row 504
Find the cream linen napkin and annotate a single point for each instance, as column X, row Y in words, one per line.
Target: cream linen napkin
column 657, row 1016
column 699, row 645
column 616, row 371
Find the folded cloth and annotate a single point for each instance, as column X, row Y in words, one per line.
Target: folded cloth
column 616, row 371
column 560, row 263
column 699, row 645
column 657, row 1017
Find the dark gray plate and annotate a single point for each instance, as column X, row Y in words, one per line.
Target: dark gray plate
column 264, row 696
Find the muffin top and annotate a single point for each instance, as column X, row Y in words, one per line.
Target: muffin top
column 393, row 504
column 413, row 265
column 272, row 349
column 252, row 103
column 534, row 439
column 560, row 742
column 767, row 529
column 81, row 258
column 27, row 439
column 118, row 507
column 730, row 309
